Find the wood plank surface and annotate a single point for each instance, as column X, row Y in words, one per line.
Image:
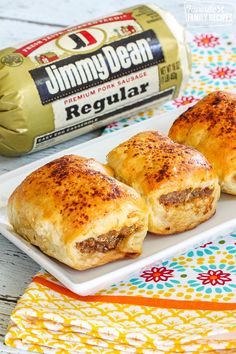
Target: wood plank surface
column 21, row 20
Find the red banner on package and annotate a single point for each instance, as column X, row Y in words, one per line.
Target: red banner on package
column 30, row 47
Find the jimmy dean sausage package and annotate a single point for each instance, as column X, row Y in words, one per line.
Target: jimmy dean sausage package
column 75, row 80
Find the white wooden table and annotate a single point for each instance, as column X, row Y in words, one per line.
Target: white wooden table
column 20, row 21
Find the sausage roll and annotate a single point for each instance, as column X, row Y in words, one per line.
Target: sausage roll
column 74, row 211
column 210, row 127
column 178, row 184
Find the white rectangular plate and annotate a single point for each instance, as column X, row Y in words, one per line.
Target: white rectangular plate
column 155, row 248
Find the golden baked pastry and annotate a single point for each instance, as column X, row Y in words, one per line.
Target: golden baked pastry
column 178, row 184
column 75, row 212
column 210, row 127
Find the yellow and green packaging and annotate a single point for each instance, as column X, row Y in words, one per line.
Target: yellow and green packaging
column 83, row 77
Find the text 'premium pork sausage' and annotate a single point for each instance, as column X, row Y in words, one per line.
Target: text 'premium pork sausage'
column 75, row 80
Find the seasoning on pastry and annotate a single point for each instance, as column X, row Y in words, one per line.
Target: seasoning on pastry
column 178, row 184
column 210, row 127
column 74, row 211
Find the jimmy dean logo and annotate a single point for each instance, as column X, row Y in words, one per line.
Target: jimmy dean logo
column 99, row 66
column 80, row 72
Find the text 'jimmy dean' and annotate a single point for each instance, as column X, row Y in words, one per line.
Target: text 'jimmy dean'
column 100, row 66
column 79, row 72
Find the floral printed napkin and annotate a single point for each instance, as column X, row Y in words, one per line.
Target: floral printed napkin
column 187, row 304
column 213, row 68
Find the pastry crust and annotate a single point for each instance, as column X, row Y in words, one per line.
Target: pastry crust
column 210, row 127
column 74, row 211
column 178, row 184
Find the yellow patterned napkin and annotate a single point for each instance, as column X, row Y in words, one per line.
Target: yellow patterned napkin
column 187, row 304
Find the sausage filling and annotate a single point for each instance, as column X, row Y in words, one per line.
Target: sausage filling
column 186, row 195
column 106, row 242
